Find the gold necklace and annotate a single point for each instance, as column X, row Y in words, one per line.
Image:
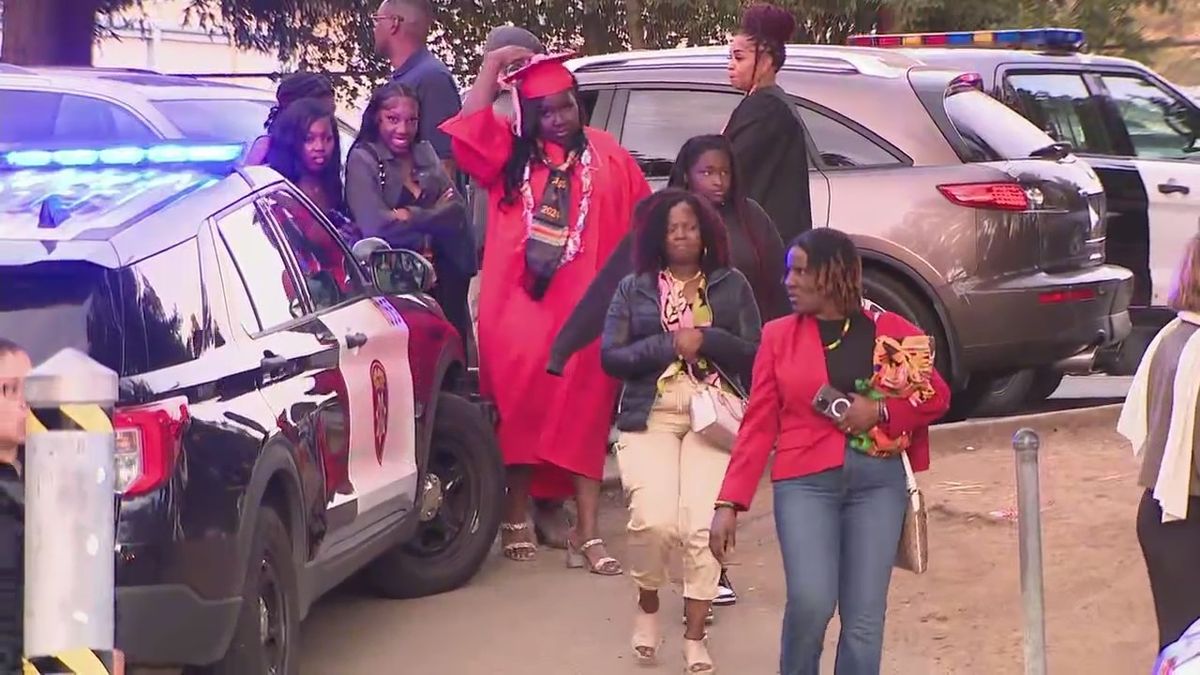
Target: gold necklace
column 838, row 342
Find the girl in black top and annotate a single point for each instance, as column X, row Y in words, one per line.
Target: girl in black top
column 294, row 87
column 705, row 167
column 305, row 149
column 765, row 129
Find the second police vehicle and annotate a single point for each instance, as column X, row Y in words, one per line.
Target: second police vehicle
column 289, row 414
column 1138, row 131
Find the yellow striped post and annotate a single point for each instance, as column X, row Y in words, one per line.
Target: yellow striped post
column 69, row 517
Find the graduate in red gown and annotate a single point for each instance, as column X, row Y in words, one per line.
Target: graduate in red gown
column 560, row 199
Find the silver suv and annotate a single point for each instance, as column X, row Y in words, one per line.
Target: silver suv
column 972, row 222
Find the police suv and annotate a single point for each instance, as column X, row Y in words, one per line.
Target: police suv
column 289, row 414
column 1138, row 131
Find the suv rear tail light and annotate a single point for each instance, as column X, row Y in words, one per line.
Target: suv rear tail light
column 998, row 196
column 1073, row 295
column 148, row 439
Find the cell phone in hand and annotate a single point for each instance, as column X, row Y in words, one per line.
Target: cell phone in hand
column 831, row 403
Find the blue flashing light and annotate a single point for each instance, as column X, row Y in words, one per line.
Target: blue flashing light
column 123, row 156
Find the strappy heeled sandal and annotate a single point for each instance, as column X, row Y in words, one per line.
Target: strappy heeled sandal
column 695, row 654
column 519, row 551
column 646, row 637
column 577, row 558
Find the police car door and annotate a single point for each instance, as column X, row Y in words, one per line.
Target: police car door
column 1162, row 129
column 373, row 358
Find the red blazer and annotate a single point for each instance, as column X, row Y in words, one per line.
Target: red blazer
column 788, row 371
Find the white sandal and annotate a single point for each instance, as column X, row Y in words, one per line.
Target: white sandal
column 646, row 637
column 695, row 654
column 518, row 551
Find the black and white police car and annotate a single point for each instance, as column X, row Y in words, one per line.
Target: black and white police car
column 288, row 415
column 1137, row 130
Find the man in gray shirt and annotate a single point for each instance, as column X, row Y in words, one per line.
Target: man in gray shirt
column 401, row 32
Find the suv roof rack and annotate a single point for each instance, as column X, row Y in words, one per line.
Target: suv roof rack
column 812, row 58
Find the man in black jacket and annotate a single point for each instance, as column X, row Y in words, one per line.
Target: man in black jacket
column 14, row 367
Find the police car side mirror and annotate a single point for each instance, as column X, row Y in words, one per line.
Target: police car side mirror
column 363, row 249
column 400, row 271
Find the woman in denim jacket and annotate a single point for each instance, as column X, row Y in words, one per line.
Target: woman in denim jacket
column 683, row 320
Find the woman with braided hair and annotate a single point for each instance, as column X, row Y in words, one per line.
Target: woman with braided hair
column 765, row 129
column 560, row 198
column 292, row 88
column 838, row 509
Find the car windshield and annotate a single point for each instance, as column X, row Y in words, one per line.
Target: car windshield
column 992, row 127
column 225, row 120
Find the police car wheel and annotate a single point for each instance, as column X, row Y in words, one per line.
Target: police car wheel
column 452, row 543
column 268, row 627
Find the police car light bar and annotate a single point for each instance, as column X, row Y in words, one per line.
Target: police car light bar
column 1057, row 39
column 122, row 156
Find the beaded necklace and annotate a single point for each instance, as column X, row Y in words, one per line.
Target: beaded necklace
column 838, row 342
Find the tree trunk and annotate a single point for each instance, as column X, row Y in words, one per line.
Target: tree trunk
column 596, row 36
column 49, row 32
column 633, row 18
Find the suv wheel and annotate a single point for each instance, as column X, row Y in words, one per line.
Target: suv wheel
column 1006, row 394
column 455, row 536
column 1046, row 381
column 268, row 627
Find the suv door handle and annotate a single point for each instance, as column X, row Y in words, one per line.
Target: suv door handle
column 356, row 340
column 1173, row 189
column 272, row 363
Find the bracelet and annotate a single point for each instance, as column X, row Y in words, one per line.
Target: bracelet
column 724, row 504
column 883, row 411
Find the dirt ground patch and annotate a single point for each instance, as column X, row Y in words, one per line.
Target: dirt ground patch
column 964, row 615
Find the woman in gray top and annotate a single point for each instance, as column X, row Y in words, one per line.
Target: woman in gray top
column 397, row 190
column 1161, row 418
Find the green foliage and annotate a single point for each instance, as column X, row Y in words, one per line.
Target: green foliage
column 336, row 35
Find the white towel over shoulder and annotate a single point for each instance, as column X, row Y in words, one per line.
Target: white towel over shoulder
column 1174, row 475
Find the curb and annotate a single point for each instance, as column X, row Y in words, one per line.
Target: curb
column 955, row 436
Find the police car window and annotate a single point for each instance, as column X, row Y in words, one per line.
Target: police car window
column 261, row 268
column 166, row 317
column 43, row 116
column 842, row 147
column 1161, row 125
column 1061, row 105
column 237, row 120
column 329, row 272
column 82, row 118
column 658, row 122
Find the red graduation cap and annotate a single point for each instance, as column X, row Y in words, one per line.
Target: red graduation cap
column 543, row 75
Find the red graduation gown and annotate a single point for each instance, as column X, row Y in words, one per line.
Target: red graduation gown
column 555, row 423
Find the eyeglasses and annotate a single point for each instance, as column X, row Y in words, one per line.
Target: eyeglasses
column 386, row 17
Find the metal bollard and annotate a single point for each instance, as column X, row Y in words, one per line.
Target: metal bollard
column 69, row 516
column 1029, row 531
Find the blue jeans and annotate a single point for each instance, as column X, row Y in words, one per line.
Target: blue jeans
column 838, row 533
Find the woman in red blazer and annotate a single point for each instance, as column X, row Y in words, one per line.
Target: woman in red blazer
column 838, row 511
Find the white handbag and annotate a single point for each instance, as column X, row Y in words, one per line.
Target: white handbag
column 717, row 414
column 913, row 552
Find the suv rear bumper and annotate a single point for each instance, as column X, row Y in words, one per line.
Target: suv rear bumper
column 171, row 625
column 1012, row 327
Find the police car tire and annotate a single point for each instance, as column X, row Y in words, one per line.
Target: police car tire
column 400, row 573
column 245, row 650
